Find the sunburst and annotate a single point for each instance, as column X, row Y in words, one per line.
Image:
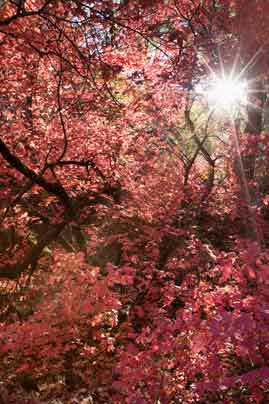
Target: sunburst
column 227, row 93
column 229, row 90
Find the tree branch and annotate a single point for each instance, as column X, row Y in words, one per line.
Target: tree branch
column 52, row 188
column 31, row 258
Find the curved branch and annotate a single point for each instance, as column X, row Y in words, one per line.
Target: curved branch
column 80, row 163
column 52, row 188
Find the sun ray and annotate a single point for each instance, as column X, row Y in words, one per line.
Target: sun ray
column 229, row 93
column 248, row 65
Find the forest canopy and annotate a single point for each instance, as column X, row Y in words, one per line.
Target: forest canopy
column 134, row 201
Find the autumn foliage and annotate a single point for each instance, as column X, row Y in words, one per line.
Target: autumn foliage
column 134, row 238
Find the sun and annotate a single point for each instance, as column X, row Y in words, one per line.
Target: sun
column 226, row 93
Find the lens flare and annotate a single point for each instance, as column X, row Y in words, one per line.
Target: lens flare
column 226, row 93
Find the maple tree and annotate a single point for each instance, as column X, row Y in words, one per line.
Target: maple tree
column 134, row 238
